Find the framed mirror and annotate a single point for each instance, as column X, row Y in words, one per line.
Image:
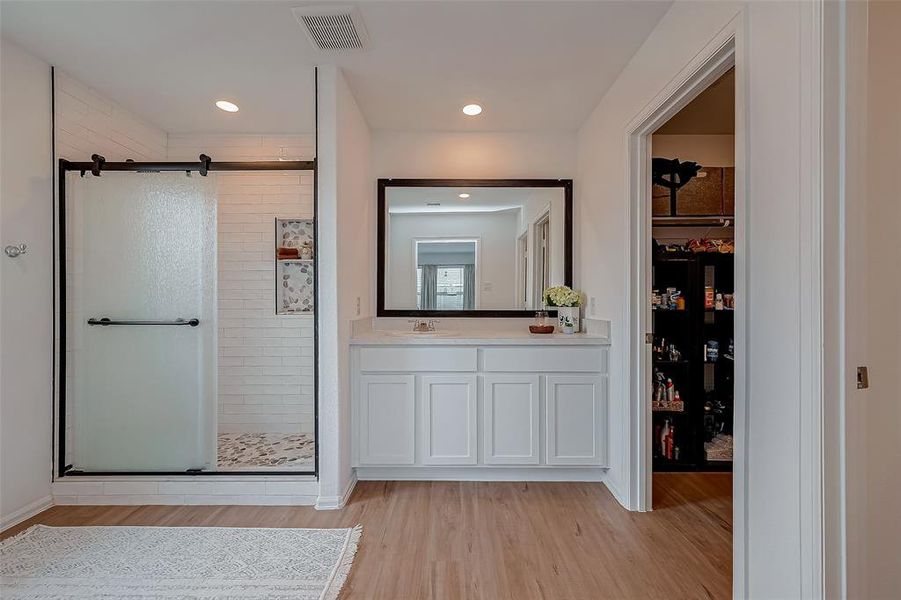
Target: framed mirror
column 471, row 247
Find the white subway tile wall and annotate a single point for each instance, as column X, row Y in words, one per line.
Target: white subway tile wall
column 265, row 359
column 88, row 123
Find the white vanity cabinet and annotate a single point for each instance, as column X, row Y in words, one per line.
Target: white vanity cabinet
column 576, row 419
column 511, row 419
column 449, row 424
column 473, row 409
column 387, row 408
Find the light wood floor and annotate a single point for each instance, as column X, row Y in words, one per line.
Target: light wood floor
column 494, row 541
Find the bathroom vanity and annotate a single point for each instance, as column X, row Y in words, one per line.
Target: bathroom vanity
column 481, row 398
column 479, row 405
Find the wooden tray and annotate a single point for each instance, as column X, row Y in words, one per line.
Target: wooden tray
column 541, row 329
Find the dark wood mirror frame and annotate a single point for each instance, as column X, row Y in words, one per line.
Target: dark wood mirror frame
column 565, row 184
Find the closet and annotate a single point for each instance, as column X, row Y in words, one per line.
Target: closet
column 693, row 307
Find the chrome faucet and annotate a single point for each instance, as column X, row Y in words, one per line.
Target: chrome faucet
column 423, row 326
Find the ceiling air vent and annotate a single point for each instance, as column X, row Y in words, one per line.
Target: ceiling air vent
column 333, row 28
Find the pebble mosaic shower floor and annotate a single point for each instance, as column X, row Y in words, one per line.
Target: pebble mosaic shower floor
column 265, row 451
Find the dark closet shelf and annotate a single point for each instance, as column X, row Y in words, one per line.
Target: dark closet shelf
column 697, row 383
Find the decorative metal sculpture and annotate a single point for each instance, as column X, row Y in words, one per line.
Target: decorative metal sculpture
column 673, row 174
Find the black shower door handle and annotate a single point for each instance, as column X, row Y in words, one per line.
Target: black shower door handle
column 104, row 321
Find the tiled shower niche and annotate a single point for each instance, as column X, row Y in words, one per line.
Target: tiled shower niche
column 295, row 291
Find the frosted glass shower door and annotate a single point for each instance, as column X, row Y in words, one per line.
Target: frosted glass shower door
column 140, row 251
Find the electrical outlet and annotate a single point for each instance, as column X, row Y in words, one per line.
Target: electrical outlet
column 358, row 306
column 593, row 306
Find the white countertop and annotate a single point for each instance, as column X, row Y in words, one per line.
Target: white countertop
column 476, row 338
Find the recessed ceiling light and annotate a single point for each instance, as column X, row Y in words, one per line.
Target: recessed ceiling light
column 464, row 196
column 472, row 109
column 227, row 106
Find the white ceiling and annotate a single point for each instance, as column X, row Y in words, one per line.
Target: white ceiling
column 532, row 65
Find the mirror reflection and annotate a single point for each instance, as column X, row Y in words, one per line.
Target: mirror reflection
column 467, row 248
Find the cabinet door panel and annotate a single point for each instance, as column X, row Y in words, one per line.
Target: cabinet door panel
column 660, row 200
column 729, row 190
column 510, row 424
column 387, row 407
column 449, row 420
column 576, row 420
column 702, row 195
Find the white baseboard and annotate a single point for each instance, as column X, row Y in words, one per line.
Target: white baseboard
column 481, row 473
column 26, row 512
column 336, row 502
column 617, row 494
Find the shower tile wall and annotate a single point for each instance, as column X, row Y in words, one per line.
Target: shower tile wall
column 265, row 360
column 86, row 123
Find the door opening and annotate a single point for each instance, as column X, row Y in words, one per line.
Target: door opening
column 692, row 296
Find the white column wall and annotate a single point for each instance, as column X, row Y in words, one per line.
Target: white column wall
column 346, row 248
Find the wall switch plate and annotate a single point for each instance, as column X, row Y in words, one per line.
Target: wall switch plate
column 358, row 306
column 593, row 306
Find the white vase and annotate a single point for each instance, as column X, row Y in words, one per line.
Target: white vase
column 566, row 316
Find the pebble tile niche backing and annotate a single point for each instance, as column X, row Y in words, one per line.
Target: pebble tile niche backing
column 295, row 277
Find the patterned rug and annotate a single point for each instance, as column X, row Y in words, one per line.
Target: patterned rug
column 176, row 562
column 265, row 450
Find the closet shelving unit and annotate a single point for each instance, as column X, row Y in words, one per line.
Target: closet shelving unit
column 698, row 380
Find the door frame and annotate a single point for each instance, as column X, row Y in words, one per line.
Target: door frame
column 730, row 47
column 725, row 51
column 721, row 58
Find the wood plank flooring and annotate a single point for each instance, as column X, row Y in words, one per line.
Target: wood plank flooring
column 493, row 541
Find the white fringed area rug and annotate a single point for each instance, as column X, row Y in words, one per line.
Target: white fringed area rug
column 176, row 562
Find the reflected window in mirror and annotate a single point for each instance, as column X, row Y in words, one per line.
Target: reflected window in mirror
column 472, row 248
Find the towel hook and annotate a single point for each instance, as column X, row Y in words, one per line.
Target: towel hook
column 15, row 251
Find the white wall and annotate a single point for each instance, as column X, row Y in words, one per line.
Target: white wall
column 490, row 155
column 26, row 285
column 774, row 55
column 346, row 259
column 495, row 258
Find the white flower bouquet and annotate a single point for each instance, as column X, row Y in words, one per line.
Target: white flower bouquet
column 562, row 295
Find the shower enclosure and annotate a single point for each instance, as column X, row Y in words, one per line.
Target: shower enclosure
column 156, row 291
